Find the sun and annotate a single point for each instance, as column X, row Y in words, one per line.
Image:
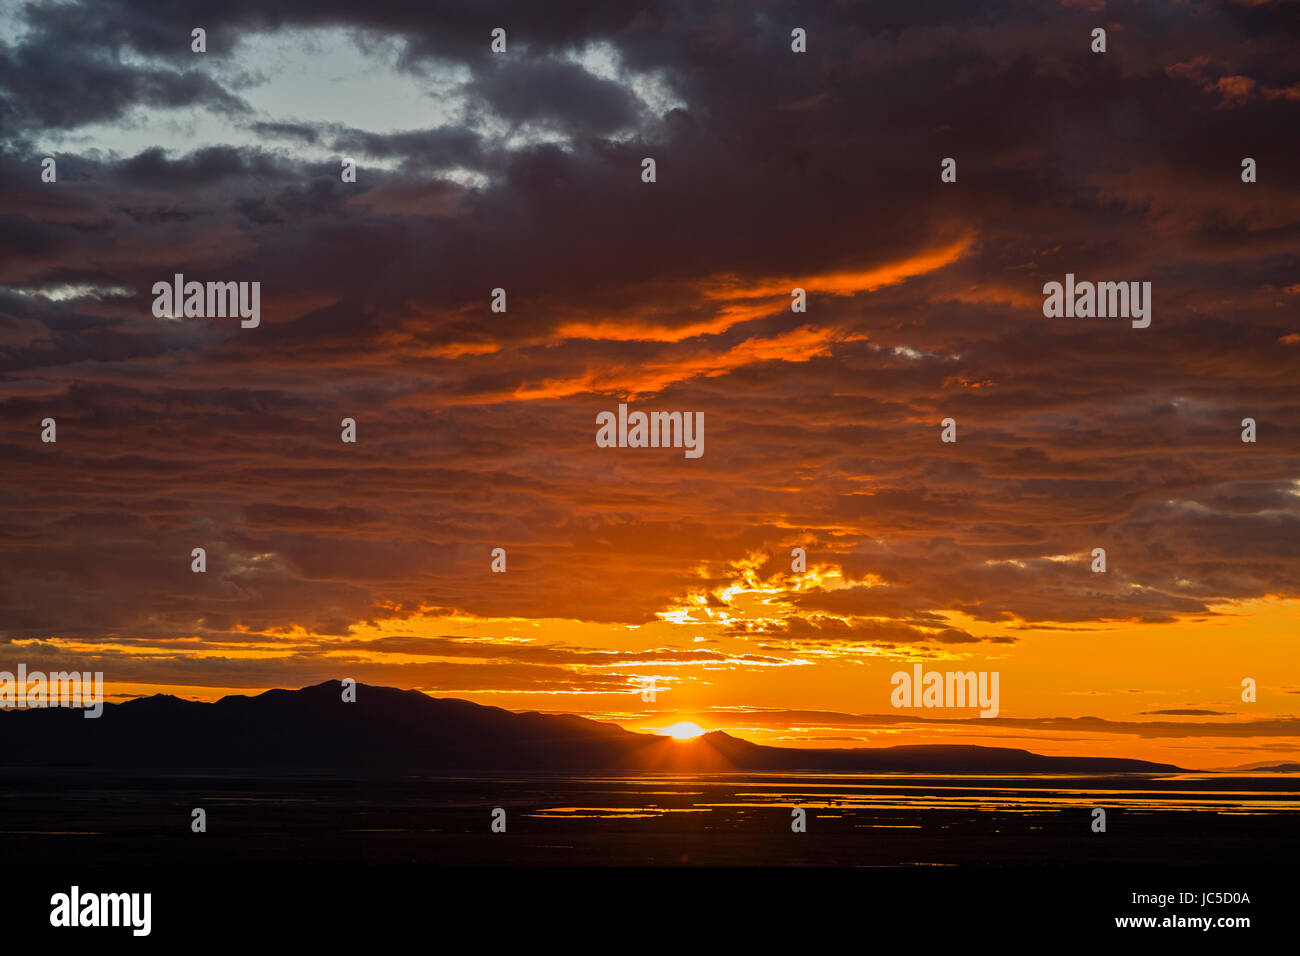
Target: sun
column 683, row 730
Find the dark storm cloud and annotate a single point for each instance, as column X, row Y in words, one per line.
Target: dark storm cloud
column 777, row 170
column 439, row 30
column 203, row 167
column 558, row 91
column 63, row 75
column 450, row 146
column 303, row 132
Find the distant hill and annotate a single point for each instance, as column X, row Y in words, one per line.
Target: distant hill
column 395, row 729
column 1266, row 768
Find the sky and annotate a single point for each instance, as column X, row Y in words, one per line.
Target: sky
column 774, row 170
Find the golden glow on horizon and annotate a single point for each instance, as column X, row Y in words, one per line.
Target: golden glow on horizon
column 683, row 730
column 1096, row 687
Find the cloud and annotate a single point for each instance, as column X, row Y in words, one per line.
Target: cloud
column 476, row 428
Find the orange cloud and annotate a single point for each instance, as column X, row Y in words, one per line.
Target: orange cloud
column 734, row 291
column 842, row 282
column 797, row 345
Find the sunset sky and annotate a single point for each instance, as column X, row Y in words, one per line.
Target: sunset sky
column 476, row 430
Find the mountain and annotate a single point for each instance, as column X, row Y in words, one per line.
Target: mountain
column 920, row 758
column 395, row 729
column 1265, row 768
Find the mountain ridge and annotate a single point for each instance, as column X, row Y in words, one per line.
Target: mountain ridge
column 391, row 728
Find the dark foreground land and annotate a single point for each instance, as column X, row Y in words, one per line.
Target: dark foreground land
column 593, row 862
column 378, row 820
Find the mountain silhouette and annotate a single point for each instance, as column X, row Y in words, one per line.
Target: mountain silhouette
column 1265, row 768
column 387, row 728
